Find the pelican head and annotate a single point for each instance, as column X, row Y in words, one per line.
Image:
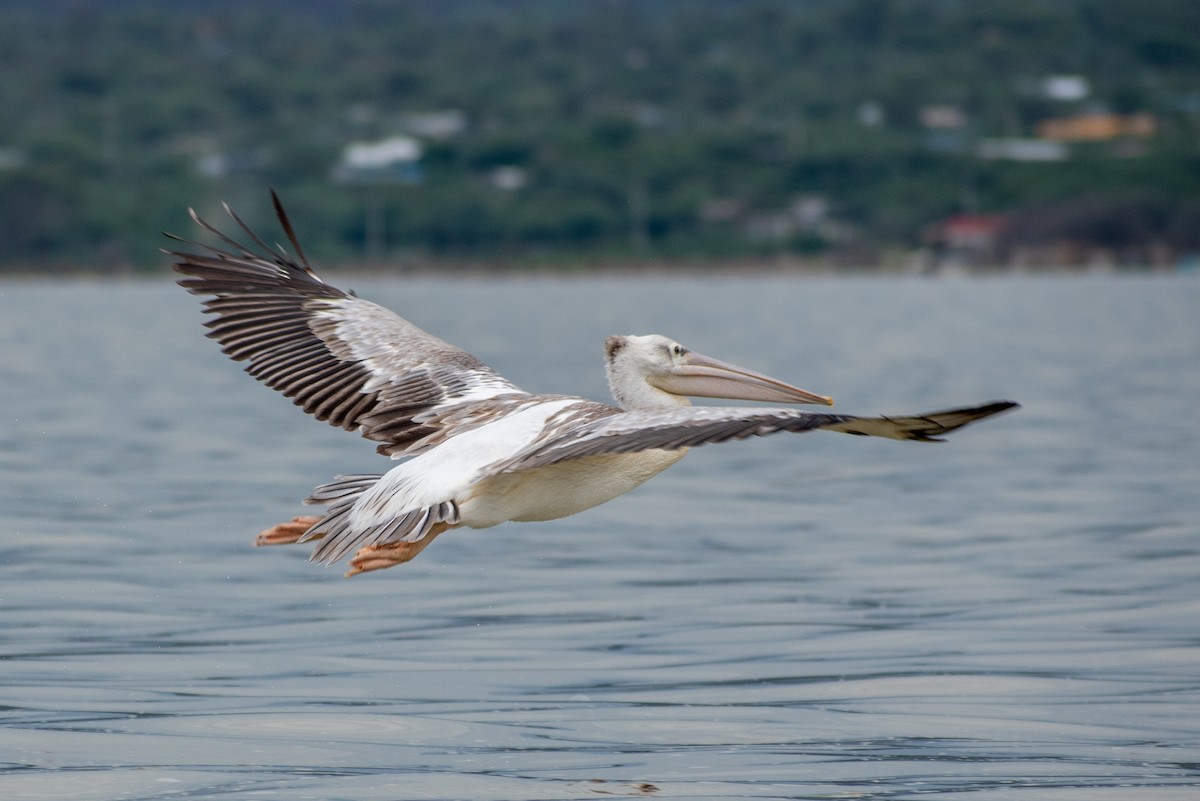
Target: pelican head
column 649, row 371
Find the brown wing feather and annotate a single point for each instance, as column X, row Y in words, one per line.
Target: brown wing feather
column 341, row 358
column 691, row 426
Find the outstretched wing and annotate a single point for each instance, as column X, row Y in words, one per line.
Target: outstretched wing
column 690, row 426
column 343, row 359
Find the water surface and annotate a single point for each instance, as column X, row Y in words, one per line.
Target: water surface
column 1011, row 615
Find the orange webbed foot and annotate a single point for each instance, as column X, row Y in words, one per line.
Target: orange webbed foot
column 378, row 557
column 286, row 533
column 390, row 554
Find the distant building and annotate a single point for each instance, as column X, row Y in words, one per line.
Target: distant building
column 395, row 160
column 508, row 178
column 1065, row 87
column 872, row 114
column 943, row 117
column 967, row 239
column 220, row 164
column 806, row 215
column 1098, row 127
column 945, row 126
column 441, row 124
column 810, row 211
column 769, row 226
column 1015, row 149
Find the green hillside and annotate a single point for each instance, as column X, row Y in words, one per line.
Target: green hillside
column 539, row 131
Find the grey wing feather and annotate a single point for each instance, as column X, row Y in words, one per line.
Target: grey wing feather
column 687, row 427
column 336, row 534
column 923, row 427
column 343, row 359
column 338, row 538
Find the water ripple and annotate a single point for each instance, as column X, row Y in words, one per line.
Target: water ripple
column 1008, row 616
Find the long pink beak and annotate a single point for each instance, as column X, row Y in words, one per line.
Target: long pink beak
column 700, row 376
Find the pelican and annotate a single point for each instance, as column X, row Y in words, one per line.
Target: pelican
column 475, row 449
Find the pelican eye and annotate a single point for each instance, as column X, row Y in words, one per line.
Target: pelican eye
column 678, row 350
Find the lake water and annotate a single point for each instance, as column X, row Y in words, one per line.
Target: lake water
column 1014, row 614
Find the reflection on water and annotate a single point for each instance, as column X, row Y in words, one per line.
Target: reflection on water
column 1011, row 615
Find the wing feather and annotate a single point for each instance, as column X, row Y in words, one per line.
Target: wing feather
column 691, row 426
column 342, row 359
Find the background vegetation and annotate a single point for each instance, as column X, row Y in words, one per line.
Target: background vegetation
column 599, row 129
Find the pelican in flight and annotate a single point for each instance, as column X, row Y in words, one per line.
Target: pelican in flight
column 476, row 449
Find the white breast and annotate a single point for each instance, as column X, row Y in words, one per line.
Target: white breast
column 449, row 471
column 563, row 489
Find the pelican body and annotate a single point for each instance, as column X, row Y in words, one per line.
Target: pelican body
column 474, row 449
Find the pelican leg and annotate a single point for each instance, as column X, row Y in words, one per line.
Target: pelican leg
column 286, row 533
column 390, row 554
